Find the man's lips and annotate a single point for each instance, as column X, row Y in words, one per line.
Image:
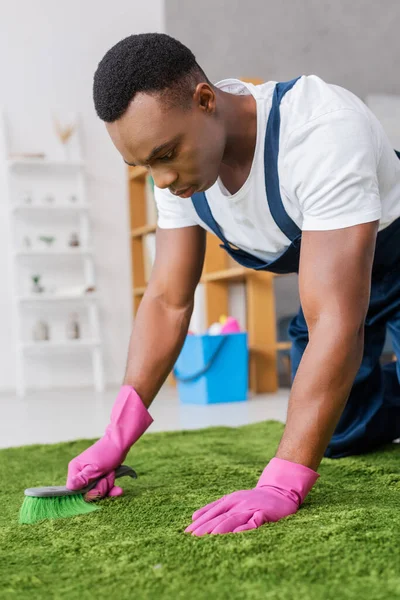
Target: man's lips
column 186, row 193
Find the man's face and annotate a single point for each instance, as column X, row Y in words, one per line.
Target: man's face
column 194, row 140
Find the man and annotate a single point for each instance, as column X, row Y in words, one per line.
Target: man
column 293, row 177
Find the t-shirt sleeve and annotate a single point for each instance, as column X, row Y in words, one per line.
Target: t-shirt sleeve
column 173, row 212
column 330, row 170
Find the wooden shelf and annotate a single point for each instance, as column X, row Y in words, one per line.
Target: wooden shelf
column 275, row 346
column 283, row 345
column 261, row 316
column 232, row 274
column 137, row 292
column 137, row 172
column 141, row 231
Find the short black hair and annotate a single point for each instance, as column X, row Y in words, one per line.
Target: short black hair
column 147, row 62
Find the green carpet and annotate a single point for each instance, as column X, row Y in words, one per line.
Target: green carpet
column 343, row 543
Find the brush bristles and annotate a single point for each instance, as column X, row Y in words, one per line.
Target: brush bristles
column 37, row 509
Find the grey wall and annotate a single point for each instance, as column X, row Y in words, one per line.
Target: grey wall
column 353, row 43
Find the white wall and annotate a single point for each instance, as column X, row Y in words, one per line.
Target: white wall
column 387, row 109
column 48, row 54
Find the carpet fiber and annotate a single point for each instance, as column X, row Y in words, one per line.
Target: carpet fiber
column 343, row 543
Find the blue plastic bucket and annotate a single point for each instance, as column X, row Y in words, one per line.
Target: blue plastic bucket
column 213, row 368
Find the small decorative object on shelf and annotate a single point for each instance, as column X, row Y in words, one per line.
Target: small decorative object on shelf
column 36, row 287
column 41, row 332
column 27, row 242
column 47, row 239
column 74, row 240
column 73, row 198
column 26, row 197
column 49, row 199
column 73, row 327
column 26, row 155
column 90, row 289
column 64, row 133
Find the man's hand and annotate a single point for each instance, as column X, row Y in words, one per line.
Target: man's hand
column 94, row 462
column 279, row 493
column 129, row 420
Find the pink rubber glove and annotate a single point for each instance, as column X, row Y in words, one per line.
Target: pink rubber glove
column 280, row 491
column 129, row 420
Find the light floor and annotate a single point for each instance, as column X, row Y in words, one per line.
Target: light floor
column 63, row 415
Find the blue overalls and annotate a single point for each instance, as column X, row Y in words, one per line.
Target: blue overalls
column 372, row 414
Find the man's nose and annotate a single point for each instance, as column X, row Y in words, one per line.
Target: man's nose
column 164, row 178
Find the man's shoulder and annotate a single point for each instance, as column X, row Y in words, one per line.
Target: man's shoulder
column 312, row 98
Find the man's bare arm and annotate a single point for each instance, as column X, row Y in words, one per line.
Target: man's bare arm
column 334, row 282
column 162, row 320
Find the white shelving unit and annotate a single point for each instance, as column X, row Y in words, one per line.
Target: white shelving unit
column 47, row 253
column 68, row 179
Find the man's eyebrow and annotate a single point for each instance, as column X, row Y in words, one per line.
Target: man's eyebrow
column 156, row 150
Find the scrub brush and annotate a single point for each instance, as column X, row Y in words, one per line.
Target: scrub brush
column 55, row 502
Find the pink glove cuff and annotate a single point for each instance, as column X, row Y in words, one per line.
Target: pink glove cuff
column 129, row 417
column 293, row 478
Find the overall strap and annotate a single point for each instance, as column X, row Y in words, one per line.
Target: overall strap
column 271, row 153
column 203, row 210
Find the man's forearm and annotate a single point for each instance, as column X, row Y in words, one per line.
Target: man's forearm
column 158, row 335
column 320, row 392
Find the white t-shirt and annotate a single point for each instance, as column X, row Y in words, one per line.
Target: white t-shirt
column 336, row 169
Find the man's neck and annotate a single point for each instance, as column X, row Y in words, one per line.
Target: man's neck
column 240, row 118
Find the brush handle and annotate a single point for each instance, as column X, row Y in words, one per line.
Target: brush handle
column 61, row 490
column 121, row 471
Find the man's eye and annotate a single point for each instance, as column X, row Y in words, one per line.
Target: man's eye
column 168, row 156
